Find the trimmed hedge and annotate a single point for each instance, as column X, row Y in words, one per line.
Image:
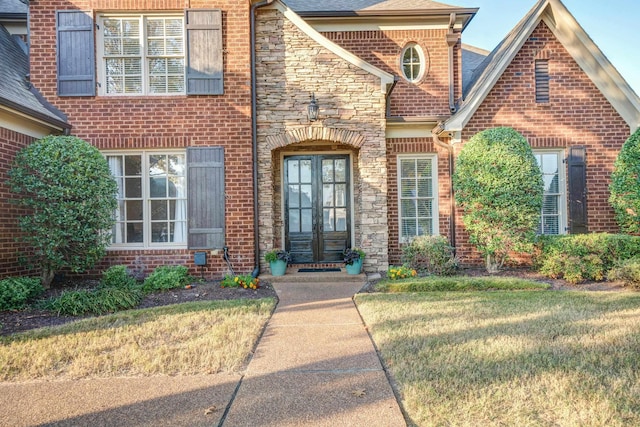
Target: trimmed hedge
column 580, row 257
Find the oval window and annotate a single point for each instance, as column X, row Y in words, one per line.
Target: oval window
column 412, row 62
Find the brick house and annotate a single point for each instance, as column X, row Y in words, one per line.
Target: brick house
column 24, row 116
column 398, row 95
column 201, row 108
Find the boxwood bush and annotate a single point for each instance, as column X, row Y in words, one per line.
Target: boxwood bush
column 430, row 255
column 627, row 271
column 15, row 293
column 580, row 257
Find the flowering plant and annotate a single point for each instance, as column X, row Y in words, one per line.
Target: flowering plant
column 350, row 255
column 401, row 272
column 243, row 281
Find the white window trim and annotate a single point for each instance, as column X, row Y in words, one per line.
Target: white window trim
column 100, row 62
column 423, row 62
column 146, row 209
column 562, row 186
column 436, row 196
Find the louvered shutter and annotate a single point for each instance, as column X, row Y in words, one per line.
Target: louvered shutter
column 204, row 52
column 542, row 80
column 577, row 166
column 75, row 53
column 206, row 197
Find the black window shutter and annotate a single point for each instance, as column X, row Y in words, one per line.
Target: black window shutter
column 204, row 52
column 542, row 80
column 577, row 165
column 75, row 53
column 206, row 197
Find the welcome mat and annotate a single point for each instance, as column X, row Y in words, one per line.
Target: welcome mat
column 318, row 270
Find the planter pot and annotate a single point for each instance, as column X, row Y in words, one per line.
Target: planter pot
column 355, row 268
column 278, row 267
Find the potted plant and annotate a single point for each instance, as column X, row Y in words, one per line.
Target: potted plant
column 353, row 258
column 278, row 260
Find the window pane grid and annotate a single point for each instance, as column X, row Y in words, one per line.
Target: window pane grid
column 137, row 62
column 416, row 197
column 551, row 213
column 152, row 199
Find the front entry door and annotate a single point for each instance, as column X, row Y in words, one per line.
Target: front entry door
column 317, row 208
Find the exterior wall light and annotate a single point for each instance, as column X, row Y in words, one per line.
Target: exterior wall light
column 313, row 109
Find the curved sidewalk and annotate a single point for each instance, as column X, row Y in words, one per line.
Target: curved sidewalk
column 315, row 365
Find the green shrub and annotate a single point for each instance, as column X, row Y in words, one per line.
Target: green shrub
column 15, row 293
column 498, row 185
column 627, row 271
column 117, row 277
column 98, row 301
column 625, row 185
column 66, row 186
column 581, row 257
column 430, row 255
column 167, row 277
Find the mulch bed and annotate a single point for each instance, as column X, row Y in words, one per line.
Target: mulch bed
column 23, row 320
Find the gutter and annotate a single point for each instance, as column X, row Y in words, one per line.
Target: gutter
column 254, row 134
column 452, row 40
column 435, row 134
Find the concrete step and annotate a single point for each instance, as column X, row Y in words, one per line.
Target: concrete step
column 292, row 276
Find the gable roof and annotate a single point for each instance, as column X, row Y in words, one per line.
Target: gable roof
column 16, row 92
column 575, row 40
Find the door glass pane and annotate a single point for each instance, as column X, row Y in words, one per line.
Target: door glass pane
column 327, row 195
column 341, row 194
column 306, row 195
column 294, row 221
column 294, row 196
column 305, row 171
column 307, row 220
column 293, row 171
column 327, row 171
column 328, row 219
column 341, row 170
column 341, row 219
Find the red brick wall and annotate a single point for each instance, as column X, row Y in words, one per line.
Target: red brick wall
column 430, row 96
column 577, row 114
column 167, row 121
column 10, row 143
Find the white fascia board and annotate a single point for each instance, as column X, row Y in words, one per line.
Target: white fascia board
column 385, row 78
column 595, row 64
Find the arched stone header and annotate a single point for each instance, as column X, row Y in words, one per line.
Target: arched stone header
column 315, row 133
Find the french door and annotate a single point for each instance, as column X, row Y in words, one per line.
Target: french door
column 317, row 207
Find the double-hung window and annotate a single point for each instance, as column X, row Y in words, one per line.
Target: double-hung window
column 553, row 215
column 418, row 196
column 152, row 199
column 142, row 54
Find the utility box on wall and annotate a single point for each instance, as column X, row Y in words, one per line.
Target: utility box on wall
column 200, row 258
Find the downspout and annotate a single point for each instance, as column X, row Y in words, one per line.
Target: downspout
column 452, row 40
column 387, row 97
column 254, row 134
column 435, row 134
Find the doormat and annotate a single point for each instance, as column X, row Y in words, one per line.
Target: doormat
column 317, row 270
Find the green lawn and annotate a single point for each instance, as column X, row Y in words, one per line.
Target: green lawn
column 526, row 358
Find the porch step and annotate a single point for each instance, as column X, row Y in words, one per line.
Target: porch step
column 292, row 275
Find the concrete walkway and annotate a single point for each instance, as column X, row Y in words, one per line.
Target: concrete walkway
column 314, row 366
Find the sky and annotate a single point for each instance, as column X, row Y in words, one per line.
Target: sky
column 611, row 24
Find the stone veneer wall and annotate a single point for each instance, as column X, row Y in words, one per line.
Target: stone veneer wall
column 290, row 67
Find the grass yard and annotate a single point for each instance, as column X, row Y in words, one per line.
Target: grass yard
column 525, row 358
column 182, row 339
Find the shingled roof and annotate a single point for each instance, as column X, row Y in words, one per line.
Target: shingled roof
column 14, row 8
column 307, row 8
column 16, row 92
